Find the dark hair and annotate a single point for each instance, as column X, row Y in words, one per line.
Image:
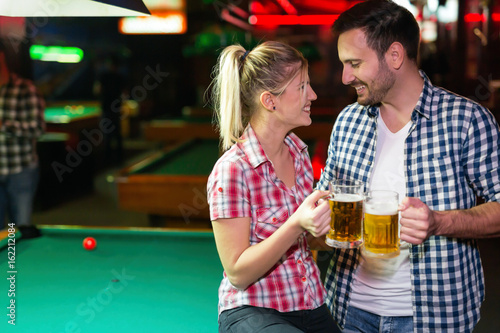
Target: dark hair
column 383, row 23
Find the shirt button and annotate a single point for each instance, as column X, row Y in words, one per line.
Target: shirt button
column 299, row 262
column 275, row 219
column 304, row 279
column 220, row 189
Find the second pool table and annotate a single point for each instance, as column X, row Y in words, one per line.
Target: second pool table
column 171, row 182
column 72, row 117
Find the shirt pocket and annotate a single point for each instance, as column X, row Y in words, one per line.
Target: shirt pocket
column 438, row 180
column 439, row 169
column 269, row 219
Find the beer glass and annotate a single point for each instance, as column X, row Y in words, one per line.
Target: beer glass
column 381, row 224
column 346, row 204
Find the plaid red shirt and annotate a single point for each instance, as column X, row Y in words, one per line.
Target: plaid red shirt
column 243, row 183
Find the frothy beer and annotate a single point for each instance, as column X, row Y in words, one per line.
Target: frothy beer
column 381, row 229
column 346, row 219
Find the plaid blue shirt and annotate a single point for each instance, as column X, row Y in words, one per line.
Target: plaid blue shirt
column 451, row 155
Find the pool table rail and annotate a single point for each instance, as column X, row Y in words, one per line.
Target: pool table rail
column 178, row 130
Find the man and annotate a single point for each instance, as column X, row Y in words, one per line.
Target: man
column 21, row 123
column 436, row 149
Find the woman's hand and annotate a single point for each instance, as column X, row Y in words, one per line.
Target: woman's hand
column 314, row 214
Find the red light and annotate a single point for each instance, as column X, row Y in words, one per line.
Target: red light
column 257, row 7
column 474, row 17
column 326, row 6
column 318, row 160
column 264, row 7
column 317, row 166
column 495, row 17
column 317, row 19
column 273, row 20
column 292, row 19
column 288, row 7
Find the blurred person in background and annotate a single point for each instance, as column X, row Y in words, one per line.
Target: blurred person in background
column 21, row 123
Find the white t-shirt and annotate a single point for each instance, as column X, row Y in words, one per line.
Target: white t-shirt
column 382, row 286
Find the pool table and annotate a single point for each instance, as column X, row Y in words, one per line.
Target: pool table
column 72, row 116
column 135, row 280
column 171, row 182
column 198, row 123
column 67, row 112
column 175, row 130
column 192, row 123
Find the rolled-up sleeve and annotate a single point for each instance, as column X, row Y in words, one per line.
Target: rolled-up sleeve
column 482, row 155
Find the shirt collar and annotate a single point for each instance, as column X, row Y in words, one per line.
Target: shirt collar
column 424, row 103
column 252, row 149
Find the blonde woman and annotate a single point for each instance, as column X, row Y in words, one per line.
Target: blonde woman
column 259, row 194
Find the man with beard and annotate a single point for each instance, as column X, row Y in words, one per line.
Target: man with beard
column 439, row 151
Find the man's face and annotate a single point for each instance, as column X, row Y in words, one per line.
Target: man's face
column 371, row 78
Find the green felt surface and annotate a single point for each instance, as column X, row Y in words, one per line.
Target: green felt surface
column 66, row 114
column 194, row 158
column 134, row 281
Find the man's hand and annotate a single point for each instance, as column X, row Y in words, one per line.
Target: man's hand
column 417, row 221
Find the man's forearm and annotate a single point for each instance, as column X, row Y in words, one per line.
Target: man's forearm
column 482, row 221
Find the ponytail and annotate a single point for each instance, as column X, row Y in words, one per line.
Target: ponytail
column 227, row 95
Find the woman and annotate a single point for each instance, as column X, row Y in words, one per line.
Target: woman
column 257, row 194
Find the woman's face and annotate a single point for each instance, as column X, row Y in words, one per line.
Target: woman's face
column 293, row 106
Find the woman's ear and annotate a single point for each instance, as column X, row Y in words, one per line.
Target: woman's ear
column 267, row 101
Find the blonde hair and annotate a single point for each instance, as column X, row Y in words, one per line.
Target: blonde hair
column 241, row 76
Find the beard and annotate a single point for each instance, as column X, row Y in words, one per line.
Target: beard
column 378, row 89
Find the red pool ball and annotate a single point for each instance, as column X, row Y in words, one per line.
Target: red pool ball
column 89, row 243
